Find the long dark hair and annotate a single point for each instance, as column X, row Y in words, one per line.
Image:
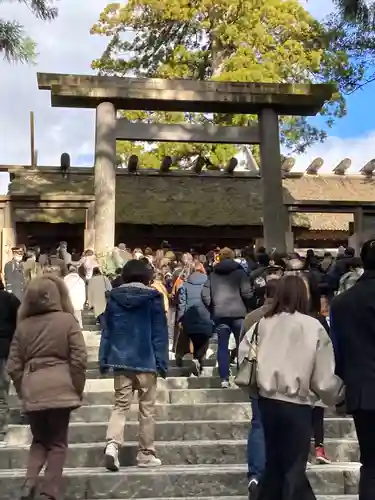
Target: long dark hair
column 291, row 296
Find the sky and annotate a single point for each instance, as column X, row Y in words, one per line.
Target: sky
column 66, row 46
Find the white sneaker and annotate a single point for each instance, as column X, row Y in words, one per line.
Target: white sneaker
column 209, row 353
column 195, row 367
column 147, row 460
column 111, row 460
column 225, row 384
column 253, row 487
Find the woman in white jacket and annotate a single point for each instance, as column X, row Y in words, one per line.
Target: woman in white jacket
column 295, row 369
column 77, row 292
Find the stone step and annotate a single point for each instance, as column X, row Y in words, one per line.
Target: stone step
column 173, row 371
column 93, row 355
column 105, row 384
column 197, row 452
column 169, row 384
column 93, row 363
column 85, row 432
column 164, row 412
column 182, row 396
column 92, row 339
column 179, row 481
column 319, row 497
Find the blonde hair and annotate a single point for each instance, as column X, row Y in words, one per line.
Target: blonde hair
column 226, row 253
column 38, row 289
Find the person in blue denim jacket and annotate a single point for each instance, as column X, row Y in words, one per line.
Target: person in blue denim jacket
column 134, row 344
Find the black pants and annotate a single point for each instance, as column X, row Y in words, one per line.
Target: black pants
column 49, row 447
column 318, row 425
column 287, row 434
column 200, row 345
column 365, row 426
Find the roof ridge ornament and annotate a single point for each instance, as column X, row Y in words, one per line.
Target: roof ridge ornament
column 315, row 166
column 369, row 168
column 342, row 167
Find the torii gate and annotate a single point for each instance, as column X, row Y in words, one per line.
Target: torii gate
column 108, row 94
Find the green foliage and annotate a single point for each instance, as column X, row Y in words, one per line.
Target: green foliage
column 14, row 44
column 235, row 40
column 352, row 32
column 360, row 11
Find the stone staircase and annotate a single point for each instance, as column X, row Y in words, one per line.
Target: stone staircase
column 201, row 439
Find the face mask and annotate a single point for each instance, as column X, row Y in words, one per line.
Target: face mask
column 18, row 258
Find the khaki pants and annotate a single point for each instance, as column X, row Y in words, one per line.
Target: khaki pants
column 125, row 384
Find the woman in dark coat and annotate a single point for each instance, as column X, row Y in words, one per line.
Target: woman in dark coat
column 194, row 316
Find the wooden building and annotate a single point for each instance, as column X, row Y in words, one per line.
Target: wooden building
column 188, row 210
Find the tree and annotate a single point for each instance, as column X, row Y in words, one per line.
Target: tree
column 351, row 29
column 234, row 40
column 361, row 11
column 14, row 44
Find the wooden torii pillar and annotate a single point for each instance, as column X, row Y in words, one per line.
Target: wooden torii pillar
column 105, row 178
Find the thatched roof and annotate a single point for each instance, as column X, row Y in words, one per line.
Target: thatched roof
column 205, row 200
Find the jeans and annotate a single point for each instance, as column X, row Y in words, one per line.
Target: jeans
column 256, row 448
column 224, row 327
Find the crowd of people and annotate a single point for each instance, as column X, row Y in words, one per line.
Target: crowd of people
column 312, row 320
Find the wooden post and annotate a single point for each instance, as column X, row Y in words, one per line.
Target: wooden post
column 89, row 235
column 32, row 140
column 275, row 224
column 8, row 234
column 356, row 240
column 289, row 234
column 105, row 177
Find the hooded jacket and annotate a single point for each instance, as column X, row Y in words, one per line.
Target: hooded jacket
column 135, row 333
column 227, row 293
column 47, row 359
column 191, row 311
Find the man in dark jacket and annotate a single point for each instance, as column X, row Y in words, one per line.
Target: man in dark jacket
column 9, row 305
column 14, row 274
column 338, row 269
column 228, row 296
column 134, row 344
column 353, row 336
